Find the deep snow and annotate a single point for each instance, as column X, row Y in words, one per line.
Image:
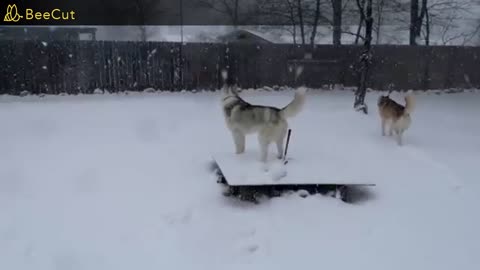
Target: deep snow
column 122, row 182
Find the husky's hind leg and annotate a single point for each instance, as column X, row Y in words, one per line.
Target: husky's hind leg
column 399, row 135
column 390, row 128
column 384, row 125
column 239, row 140
column 279, row 143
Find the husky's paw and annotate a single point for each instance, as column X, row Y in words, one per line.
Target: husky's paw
column 279, row 156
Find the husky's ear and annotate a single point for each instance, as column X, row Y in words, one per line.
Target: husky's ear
column 382, row 98
column 231, row 91
column 390, row 89
column 227, row 90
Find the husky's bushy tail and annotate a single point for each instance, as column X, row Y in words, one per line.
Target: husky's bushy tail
column 409, row 104
column 296, row 105
column 224, row 76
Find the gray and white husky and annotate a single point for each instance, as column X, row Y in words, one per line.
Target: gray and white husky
column 270, row 123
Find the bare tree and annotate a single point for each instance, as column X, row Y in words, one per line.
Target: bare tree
column 462, row 38
column 383, row 11
column 449, row 19
column 300, row 20
column 334, row 18
column 238, row 12
column 337, row 21
column 476, row 33
column 379, row 8
column 365, row 61
column 136, row 12
column 291, row 17
column 361, row 12
column 310, row 15
column 304, row 15
column 427, row 28
column 444, row 17
column 226, row 7
column 315, row 22
column 417, row 15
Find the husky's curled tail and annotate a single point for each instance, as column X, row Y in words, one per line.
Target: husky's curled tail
column 409, row 104
column 270, row 123
column 296, row 105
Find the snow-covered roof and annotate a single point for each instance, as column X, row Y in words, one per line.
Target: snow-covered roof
column 243, row 36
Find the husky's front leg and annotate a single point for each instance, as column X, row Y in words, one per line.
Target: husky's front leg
column 239, row 140
column 263, row 142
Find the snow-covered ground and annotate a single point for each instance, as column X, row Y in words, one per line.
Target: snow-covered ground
column 122, row 182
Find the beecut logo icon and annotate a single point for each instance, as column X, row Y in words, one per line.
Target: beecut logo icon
column 12, row 14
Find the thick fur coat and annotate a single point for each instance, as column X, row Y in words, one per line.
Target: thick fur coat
column 396, row 117
column 269, row 123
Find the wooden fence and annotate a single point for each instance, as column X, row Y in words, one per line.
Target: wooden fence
column 82, row 66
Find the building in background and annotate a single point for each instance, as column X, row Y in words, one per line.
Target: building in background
column 242, row 36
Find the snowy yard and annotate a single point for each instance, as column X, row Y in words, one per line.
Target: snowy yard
column 122, row 182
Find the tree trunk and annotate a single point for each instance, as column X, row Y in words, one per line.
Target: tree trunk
column 315, row 23
column 413, row 22
column 300, row 19
column 337, row 22
column 380, row 6
column 365, row 60
column 360, row 6
column 294, row 34
column 235, row 14
column 416, row 20
column 427, row 22
column 292, row 19
column 359, row 30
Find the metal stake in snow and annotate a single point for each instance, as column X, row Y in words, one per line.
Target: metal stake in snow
column 285, row 161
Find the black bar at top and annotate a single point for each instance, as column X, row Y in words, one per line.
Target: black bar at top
column 144, row 12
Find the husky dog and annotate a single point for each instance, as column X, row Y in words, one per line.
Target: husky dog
column 395, row 115
column 270, row 123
